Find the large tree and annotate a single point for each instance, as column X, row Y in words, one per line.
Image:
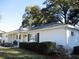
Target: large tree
column 63, row 9
column 34, row 16
column 73, row 17
column 48, row 16
column 31, row 16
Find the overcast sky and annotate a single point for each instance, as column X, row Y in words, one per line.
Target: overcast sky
column 12, row 11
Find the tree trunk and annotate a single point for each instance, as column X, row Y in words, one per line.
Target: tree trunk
column 65, row 19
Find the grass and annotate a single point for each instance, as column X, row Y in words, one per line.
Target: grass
column 16, row 53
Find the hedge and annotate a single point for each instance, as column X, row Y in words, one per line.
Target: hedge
column 43, row 47
column 76, row 50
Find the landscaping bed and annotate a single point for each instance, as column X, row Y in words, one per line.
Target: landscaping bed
column 16, row 53
column 50, row 49
column 45, row 48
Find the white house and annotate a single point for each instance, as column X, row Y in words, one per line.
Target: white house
column 66, row 35
column 62, row 34
column 1, row 36
column 17, row 35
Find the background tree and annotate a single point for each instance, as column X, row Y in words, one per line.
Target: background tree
column 56, row 11
column 73, row 17
column 48, row 16
column 62, row 8
column 32, row 16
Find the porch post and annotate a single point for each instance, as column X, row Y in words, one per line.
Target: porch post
column 12, row 38
column 28, row 37
column 38, row 37
column 18, row 40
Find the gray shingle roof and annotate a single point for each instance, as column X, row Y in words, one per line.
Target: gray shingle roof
column 46, row 26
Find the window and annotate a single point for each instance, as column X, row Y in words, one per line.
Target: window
column 24, row 36
column 0, row 34
column 6, row 36
column 16, row 36
column 19, row 36
column 72, row 33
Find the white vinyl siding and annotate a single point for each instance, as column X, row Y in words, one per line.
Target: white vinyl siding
column 73, row 38
column 56, row 35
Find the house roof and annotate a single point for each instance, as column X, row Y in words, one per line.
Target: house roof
column 46, row 26
column 19, row 31
column 2, row 31
column 53, row 26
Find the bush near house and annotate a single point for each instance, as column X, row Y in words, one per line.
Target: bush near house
column 15, row 43
column 46, row 48
column 75, row 50
column 51, row 49
column 7, row 44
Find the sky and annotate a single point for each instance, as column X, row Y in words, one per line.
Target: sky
column 11, row 12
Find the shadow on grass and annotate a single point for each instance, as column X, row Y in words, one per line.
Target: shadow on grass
column 16, row 53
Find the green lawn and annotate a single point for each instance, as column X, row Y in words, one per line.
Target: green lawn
column 16, row 53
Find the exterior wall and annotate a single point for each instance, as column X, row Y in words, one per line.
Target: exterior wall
column 73, row 38
column 1, row 36
column 60, row 34
column 5, row 37
column 17, row 36
column 57, row 35
column 9, row 38
column 54, row 35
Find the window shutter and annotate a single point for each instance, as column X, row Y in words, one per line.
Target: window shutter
column 28, row 37
column 37, row 37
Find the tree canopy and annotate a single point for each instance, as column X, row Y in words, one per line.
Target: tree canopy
column 32, row 16
column 57, row 11
column 65, row 9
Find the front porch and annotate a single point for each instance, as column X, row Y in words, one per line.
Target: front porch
column 14, row 37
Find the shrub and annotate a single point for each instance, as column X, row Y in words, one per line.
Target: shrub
column 61, row 50
column 42, row 48
column 76, row 50
column 47, row 47
column 7, row 44
column 15, row 43
column 29, row 46
column 22, row 45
